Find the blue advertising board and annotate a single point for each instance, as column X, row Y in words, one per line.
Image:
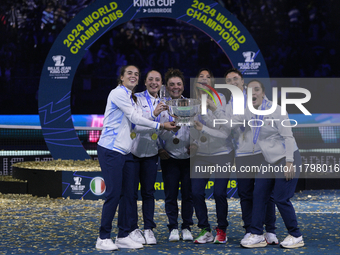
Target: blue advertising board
column 90, row 185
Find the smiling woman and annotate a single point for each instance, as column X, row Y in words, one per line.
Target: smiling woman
column 210, row 150
column 145, row 153
column 279, row 149
column 175, row 162
column 116, row 160
column 130, row 77
column 175, row 87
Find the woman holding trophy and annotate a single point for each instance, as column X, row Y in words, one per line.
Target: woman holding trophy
column 175, row 164
column 116, row 161
column 145, row 153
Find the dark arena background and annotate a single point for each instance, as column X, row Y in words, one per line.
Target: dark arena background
column 55, row 212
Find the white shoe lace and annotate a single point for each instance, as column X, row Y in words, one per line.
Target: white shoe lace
column 149, row 233
column 256, row 237
column 288, row 239
column 136, row 234
column 174, row 233
column 107, row 242
column 186, row 232
column 246, row 236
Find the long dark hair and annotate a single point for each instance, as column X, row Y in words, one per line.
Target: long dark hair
column 121, row 73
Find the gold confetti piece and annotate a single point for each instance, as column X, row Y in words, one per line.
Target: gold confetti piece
column 71, row 226
column 87, row 165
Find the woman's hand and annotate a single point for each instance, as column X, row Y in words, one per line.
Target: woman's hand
column 198, row 125
column 176, row 129
column 170, row 126
column 192, row 149
column 159, row 108
column 163, row 154
column 289, row 171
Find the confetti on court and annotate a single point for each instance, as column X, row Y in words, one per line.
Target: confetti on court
column 36, row 225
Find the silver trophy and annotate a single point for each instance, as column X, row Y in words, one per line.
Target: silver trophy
column 163, row 94
column 184, row 110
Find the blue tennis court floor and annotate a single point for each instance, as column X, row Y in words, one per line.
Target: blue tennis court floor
column 32, row 225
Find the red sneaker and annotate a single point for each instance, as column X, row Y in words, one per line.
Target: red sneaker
column 221, row 236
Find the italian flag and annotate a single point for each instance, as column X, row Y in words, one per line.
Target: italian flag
column 97, row 186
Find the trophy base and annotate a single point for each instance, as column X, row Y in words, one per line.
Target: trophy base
column 185, row 121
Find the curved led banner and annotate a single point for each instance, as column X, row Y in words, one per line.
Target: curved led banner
column 101, row 16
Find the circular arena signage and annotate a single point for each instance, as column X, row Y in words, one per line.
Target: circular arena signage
column 97, row 186
column 101, row 16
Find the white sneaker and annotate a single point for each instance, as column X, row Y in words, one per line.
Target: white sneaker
column 186, row 235
column 106, row 244
column 137, row 236
column 292, row 242
column 254, row 241
column 271, row 238
column 174, row 236
column 204, row 237
column 149, row 237
column 245, row 236
column 127, row 242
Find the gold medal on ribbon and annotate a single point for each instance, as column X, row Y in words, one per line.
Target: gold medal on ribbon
column 133, row 135
column 175, row 140
column 203, row 139
column 154, row 136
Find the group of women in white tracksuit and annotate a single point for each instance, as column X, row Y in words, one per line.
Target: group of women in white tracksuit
column 278, row 148
column 137, row 130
